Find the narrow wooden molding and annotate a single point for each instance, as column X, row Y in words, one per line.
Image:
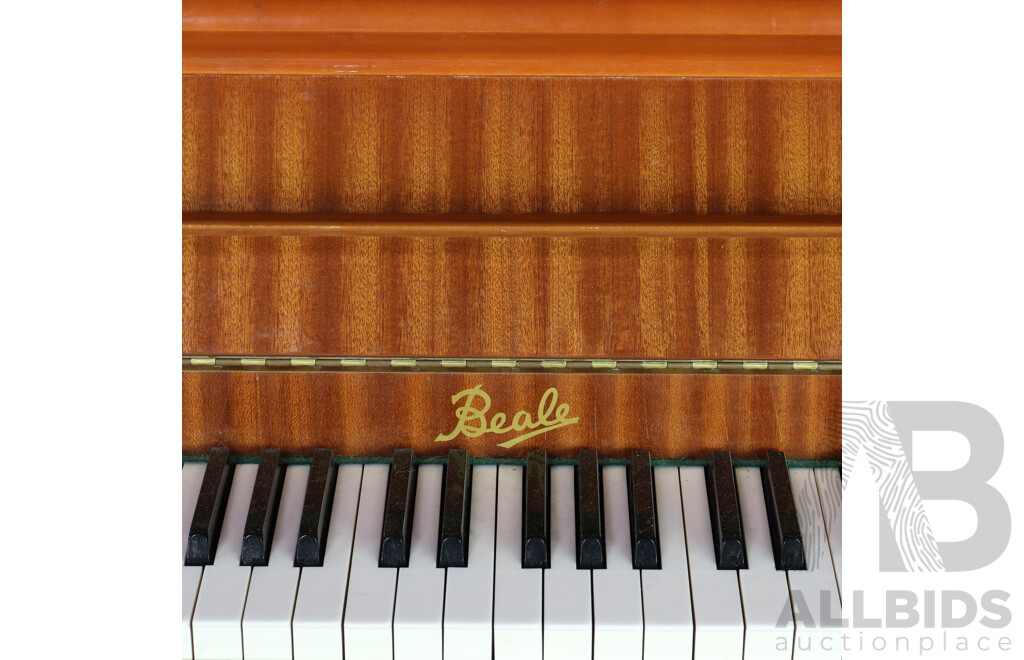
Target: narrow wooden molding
column 692, row 17
column 512, row 225
column 406, row 54
column 778, row 38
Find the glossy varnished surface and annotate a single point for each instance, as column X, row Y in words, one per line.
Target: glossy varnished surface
column 510, row 54
column 374, row 144
column 514, row 37
column 371, row 414
column 693, row 17
column 549, row 297
column 537, row 225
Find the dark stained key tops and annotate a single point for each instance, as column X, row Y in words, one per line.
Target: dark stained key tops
column 642, row 518
column 589, row 529
column 213, row 497
column 783, row 524
column 396, row 530
column 316, row 510
column 453, row 535
column 724, row 505
column 259, row 523
column 536, row 533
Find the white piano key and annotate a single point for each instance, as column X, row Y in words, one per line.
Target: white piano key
column 266, row 625
column 419, row 604
column 217, row 621
column 191, row 480
column 320, row 602
column 518, row 592
column 717, row 610
column 814, row 592
column 369, row 606
column 618, row 604
column 763, row 588
column 830, row 491
column 469, row 591
column 668, row 616
column 568, row 619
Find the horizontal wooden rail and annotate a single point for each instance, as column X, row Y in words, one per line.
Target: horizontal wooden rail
column 604, row 225
column 731, row 38
column 608, row 17
column 299, row 53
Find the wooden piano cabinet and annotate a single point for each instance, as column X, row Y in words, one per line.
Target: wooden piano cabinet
column 512, row 179
column 371, row 414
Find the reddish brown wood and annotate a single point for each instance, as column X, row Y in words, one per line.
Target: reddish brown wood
column 376, row 144
column 371, row 414
column 720, row 107
column 703, row 17
column 548, row 297
column 303, row 53
column 780, row 38
column 603, row 225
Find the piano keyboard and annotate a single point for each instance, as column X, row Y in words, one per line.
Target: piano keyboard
column 475, row 561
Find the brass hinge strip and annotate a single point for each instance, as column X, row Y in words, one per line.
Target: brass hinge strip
column 507, row 365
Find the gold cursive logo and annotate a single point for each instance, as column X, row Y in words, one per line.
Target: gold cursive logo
column 472, row 418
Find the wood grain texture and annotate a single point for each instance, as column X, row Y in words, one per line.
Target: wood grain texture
column 518, row 297
column 620, row 17
column 378, row 144
column 601, row 225
column 371, row 414
column 753, row 38
column 305, row 53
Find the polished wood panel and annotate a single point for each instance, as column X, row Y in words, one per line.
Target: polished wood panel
column 518, row 297
column 371, row 414
column 377, row 144
column 752, row 38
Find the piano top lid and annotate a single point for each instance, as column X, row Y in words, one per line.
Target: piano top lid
column 748, row 38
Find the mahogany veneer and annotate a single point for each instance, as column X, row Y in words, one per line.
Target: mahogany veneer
column 371, row 414
column 376, row 144
column 513, row 297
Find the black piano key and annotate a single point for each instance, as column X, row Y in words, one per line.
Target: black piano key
column 396, row 531
column 453, row 536
column 259, row 523
column 316, row 510
column 724, row 505
column 589, row 530
column 536, row 533
column 642, row 516
column 783, row 524
column 213, row 497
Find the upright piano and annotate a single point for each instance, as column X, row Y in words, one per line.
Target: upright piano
column 511, row 329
